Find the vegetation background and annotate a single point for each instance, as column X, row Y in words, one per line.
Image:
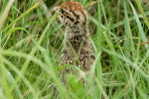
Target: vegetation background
column 30, row 44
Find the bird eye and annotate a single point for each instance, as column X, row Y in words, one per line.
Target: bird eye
column 62, row 11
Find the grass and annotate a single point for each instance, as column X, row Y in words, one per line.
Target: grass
column 30, row 45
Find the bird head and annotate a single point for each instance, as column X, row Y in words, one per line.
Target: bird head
column 71, row 13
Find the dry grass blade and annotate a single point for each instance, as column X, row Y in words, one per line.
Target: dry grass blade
column 4, row 15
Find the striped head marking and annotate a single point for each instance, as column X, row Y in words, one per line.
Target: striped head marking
column 71, row 13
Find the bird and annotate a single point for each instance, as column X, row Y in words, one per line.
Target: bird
column 78, row 49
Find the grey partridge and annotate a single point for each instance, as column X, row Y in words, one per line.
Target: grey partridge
column 78, row 49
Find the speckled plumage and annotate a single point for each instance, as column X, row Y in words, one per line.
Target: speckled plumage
column 78, row 49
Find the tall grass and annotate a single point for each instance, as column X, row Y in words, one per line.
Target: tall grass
column 30, row 45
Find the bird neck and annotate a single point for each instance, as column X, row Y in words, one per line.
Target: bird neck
column 77, row 30
column 76, row 36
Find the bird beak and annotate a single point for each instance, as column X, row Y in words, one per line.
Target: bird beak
column 55, row 9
